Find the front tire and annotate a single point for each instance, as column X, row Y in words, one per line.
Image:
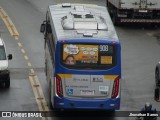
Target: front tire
column 45, row 67
column 7, row 82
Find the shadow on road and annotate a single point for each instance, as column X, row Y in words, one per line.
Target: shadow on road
column 2, row 87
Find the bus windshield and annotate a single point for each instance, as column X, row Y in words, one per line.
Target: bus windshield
column 2, row 53
column 90, row 56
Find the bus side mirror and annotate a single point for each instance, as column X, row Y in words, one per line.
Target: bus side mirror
column 49, row 29
column 10, row 57
column 156, row 94
column 43, row 27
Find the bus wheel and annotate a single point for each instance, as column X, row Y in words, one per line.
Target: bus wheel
column 45, row 68
column 7, row 82
column 157, row 79
column 50, row 103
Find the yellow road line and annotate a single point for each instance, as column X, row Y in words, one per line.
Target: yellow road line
column 32, row 71
column 16, row 37
column 36, row 95
column 44, row 103
column 13, row 27
column 40, row 99
column 26, row 57
column 5, row 22
column 23, row 51
column 9, row 24
column 4, row 13
column 41, row 94
column 19, row 44
column 29, row 64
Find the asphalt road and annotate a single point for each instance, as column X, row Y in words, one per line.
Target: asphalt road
column 140, row 54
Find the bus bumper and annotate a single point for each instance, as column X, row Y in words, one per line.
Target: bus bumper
column 103, row 104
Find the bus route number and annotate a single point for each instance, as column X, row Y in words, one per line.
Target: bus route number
column 104, row 48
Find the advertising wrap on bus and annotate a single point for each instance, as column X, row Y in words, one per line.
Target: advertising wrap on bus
column 82, row 56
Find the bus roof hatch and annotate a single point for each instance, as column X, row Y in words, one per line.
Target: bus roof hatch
column 82, row 20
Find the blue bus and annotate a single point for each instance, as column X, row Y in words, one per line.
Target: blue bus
column 82, row 57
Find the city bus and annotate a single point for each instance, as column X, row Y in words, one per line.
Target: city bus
column 82, row 58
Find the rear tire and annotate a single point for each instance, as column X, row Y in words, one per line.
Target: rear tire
column 50, row 103
column 157, row 79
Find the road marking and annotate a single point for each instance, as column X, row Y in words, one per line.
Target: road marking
column 16, row 37
column 29, row 64
column 19, row 44
column 36, row 95
column 23, row 51
column 41, row 94
column 26, row 57
column 9, row 24
column 32, row 71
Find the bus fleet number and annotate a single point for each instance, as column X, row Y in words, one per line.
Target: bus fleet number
column 103, row 47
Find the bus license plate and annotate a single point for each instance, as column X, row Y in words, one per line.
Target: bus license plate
column 88, row 92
